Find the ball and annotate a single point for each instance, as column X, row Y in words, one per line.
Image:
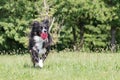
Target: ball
column 44, row 36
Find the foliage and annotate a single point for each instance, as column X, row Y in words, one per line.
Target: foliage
column 14, row 26
column 78, row 23
column 94, row 17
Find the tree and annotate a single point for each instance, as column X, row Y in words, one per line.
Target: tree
column 15, row 18
column 82, row 15
column 114, row 22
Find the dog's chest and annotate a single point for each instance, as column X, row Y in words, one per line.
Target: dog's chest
column 39, row 44
column 40, row 48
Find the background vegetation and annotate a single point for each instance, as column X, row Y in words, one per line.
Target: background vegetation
column 87, row 25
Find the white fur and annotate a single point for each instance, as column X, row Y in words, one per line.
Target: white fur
column 39, row 44
column 40, row 63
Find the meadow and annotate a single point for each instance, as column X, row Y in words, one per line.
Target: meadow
column 62, row 66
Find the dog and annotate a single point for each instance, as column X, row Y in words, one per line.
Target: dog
column 39, row 42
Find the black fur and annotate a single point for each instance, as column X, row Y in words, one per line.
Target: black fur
column 37, row 30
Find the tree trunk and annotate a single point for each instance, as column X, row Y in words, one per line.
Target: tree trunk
column 74, row 34
column 74, row 37
column 113, row 45
column 81, row 35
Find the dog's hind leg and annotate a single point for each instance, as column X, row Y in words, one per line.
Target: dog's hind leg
column 34, row 57
column 44, row 56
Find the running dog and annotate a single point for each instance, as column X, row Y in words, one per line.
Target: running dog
column 39, row 42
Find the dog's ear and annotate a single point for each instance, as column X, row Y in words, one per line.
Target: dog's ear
column 46, row 22
column 35, row 24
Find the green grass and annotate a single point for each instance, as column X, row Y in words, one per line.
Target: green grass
column 62, row 66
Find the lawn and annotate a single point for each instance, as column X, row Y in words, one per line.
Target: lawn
column 62, row 66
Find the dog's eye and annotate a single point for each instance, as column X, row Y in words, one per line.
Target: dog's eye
column 41, row 27
column 45, row 27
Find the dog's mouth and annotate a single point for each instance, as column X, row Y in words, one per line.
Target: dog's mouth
column 44, row 35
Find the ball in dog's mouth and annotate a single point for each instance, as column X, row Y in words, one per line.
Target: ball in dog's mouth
column 44, row 36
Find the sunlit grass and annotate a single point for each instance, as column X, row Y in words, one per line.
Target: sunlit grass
column 62, row 66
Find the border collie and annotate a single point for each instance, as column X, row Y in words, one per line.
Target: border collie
column 39, row 42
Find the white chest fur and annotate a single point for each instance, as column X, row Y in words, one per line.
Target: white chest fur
column 39, row 45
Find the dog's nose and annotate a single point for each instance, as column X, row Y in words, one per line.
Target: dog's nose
column 45, row 31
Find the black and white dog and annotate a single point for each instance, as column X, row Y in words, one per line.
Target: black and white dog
column 39, row 42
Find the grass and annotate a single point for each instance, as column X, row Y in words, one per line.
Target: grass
column 62, row 66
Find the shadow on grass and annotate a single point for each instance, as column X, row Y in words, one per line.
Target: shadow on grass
column 28, row 66
column 31, row 66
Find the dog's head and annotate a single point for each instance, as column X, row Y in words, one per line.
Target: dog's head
column 44, row 26
column 40, row 29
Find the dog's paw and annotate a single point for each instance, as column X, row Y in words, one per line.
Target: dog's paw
column 40, row 63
